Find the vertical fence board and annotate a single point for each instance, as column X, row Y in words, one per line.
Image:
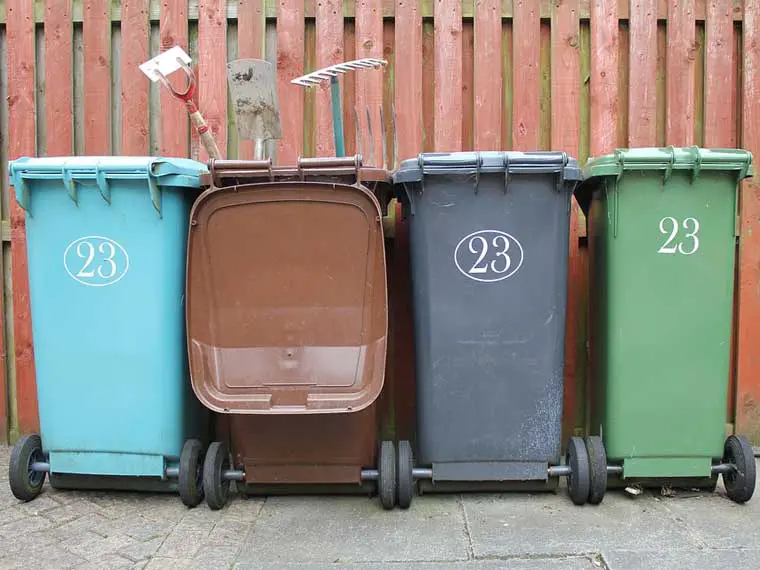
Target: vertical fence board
column 604, row 74
column 96, row 31
column 642, row 102
column 720, row 116
column 134, row 84
column 448, row 75
column 506, row 82
column 681, row 52
column 408, row 91
column 59, row 34
column 212, row 70
column 290, row 64
column 468, row 79
column 487, row 119
column 329, row 52
column 174, row 121
column 21, row 122
column 565, row 126
column 369, row 83
column 526, row 83
column 6, row 324
column 251, row 31
column 748, row 353
column 349, row 91
column 428, row 86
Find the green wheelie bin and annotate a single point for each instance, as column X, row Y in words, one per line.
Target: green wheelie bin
column 662, row 234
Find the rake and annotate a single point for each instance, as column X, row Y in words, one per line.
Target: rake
column 331, row 73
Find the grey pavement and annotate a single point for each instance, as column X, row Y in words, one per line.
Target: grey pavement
column 520, row 531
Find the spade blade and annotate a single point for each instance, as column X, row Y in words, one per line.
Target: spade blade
column 253, row 87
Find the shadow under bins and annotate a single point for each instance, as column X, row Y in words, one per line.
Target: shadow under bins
column 287, row 322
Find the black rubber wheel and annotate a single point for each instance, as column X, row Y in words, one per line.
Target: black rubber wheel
column 386, row 477
column 739, row 483
column 216, row 489
column 405, row 465
column 191, row 473
column 579, row 480
column 597, row 457
column 25, row 483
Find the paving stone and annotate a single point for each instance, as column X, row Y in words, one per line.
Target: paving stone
column 182, row 543
column 111, row 562
column 353, row 529
column 226, row 533
column 33, row 541
column 41, row 504
column 563, row 563
column 23, row 526
column 91, row 546
column 216, row 557
column 49, row 558
column 142, row 550
column 681, row 559
column 169, row 564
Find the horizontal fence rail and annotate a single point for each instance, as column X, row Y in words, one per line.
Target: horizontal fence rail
column 583, row 76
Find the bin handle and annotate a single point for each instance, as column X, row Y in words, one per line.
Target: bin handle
column 669, row 166
column 505, row 158
column 68, row 182
column 478, row 164
column 697, row 160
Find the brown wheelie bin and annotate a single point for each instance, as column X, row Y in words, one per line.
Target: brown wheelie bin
column 287, row 324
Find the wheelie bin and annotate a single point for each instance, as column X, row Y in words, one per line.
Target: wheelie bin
column 106, row 243
column 489, row 240
column 287, row 326
column 662, row 227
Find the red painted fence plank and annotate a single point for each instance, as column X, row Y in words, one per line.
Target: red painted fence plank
column 720, row 116
column 96, row 34
column 565, row 96
column 679, row 115
column 488, row 83
column 329, row 52
column 134, row 84
column 526, row 80
column 408, row 73
column 468, row 80
column 212, row 70
column 369, row 83
column 604, row 74
column 290, row 60
column 748, row 349
column 251, row 40
column 58, row 73
column 448, row 75
column 642, row 99
column 21, row 122
column 174, row 121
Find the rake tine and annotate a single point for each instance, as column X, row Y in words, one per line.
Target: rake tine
column 371, row 148
column 358, row 129
column 385, row 141
column 395, row 137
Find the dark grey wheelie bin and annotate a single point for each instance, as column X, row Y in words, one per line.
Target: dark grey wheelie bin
column 489, row 249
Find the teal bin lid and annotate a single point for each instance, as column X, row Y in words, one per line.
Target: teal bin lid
column 100, row 170
column 666, row 160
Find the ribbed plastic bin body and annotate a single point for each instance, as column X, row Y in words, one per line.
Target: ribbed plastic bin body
column 489, row 240
column 662, row 226
column 106, row 241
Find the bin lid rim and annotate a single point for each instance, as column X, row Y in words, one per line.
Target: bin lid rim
column 179, row 171
column 669, row 158
column 487, row 162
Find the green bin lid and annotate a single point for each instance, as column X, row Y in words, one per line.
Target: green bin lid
column 70, row 170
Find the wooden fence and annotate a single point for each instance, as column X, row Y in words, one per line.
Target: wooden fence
column 584, row 76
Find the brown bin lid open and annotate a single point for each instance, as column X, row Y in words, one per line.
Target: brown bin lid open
column 286, row 298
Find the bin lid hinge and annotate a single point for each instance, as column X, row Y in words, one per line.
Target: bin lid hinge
column 561, row 173
column 505, row 158
column 478, row 162
column 697, row 167
column 669, row 166
column 155, row 191
column 69, row 183
column 103, row 185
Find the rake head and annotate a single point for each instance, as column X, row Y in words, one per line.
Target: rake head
column 326, row 73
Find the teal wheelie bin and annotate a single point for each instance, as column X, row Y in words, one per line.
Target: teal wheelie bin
column 106, row 243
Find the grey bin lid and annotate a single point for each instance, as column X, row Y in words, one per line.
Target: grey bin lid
column 488, row 162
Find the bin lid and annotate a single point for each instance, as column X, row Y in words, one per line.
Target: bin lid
column 488, row 162
column 671, row 158
column 287, row 298
column 99, row 170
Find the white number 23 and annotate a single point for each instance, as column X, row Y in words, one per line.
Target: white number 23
column 686, row 244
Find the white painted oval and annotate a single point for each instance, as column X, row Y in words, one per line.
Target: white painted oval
column 483, row 266
column 96, row 261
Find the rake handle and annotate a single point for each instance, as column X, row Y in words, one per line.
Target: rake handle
column 337, row 116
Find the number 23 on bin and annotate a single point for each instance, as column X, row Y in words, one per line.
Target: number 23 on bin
column 96, row 261
column 682, row 236
column 488, row 255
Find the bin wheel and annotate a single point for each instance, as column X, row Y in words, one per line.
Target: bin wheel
column 579, row 480
column 739, row 483
column 191, row 473
column 405, row 476
column 386, row 477
column 215, row 487
column 597, row 457
column 26, row 484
